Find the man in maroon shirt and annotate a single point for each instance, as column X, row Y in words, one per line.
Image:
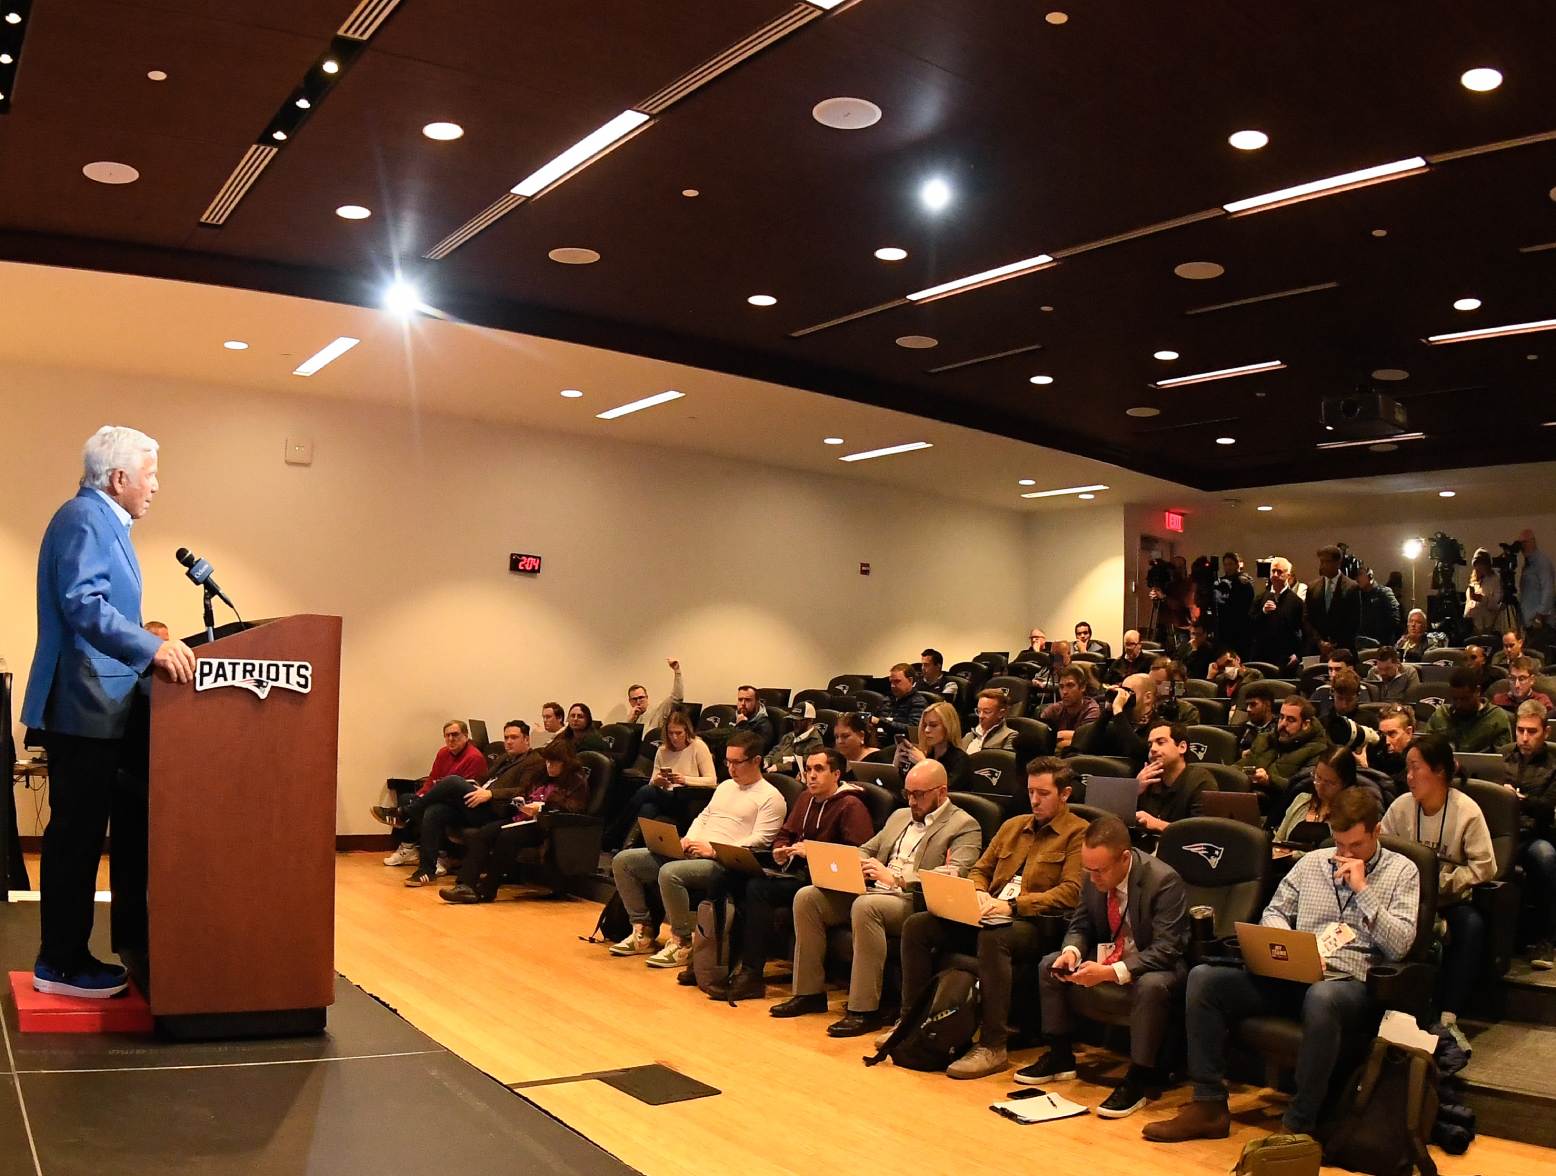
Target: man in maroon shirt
column 457, row 757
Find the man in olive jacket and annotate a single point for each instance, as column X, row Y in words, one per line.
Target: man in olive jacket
column 1277, row 756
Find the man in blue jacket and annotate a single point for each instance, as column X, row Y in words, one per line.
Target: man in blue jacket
column 90, row 664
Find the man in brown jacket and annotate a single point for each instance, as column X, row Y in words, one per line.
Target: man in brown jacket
column 1031, row 868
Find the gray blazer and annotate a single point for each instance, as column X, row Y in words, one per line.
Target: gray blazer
column 1158, row 917
column 955, row 839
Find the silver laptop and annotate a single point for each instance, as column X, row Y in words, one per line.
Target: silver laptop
column 1280, row 953
column 1119, row 795
column 951, row 898
column 835, row 867
column 662, row 837
column 740, row 860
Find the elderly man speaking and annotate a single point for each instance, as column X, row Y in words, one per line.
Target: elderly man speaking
column 91, row 661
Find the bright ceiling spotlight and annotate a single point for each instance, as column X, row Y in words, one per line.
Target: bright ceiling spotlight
column 935, row 194
column 402, row 298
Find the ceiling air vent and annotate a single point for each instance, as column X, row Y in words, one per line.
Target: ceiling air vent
column 254, row 161
column 364, row 21
column 775, row 30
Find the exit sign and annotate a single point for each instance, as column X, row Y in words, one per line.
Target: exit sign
column 1173, row 520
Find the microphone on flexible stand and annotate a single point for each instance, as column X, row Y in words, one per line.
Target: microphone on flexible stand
column 200, row 572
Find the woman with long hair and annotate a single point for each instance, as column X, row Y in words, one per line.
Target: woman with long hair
column 1332, row 774
column 683, row 761
column 939, row 738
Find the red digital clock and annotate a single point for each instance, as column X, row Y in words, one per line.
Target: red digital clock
column 528, row 564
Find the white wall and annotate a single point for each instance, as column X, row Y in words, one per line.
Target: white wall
column 1076, row 572
column 403, row 526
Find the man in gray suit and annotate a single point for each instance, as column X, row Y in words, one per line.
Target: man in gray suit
column 930, row 833
column 1124, row 948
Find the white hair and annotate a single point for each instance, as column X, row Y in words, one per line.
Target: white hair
column 114, row 447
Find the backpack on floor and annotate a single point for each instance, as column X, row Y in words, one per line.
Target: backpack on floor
column 939, row 1026
column 1280, row 1155
column 710, row 943
column 1386, row 1115
column 614, row 925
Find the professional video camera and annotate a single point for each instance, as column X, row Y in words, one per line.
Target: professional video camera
column 1203, row 571
column 1506, row 566
column 1159, row 575
column 1350, row 565
column 1446, row 552
column 1446, row 606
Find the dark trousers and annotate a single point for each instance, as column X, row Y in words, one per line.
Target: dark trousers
column 1152, row 996
column 1335, row 1015
column 441, row 808
column 491, row 852
column 1540, row 860
column 657, row 804
column 91, row 780
column 404, row 793
column 1463, row 955
column 758, row 899
column 926, row 936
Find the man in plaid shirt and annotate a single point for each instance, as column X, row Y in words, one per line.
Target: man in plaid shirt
column 1374, row 894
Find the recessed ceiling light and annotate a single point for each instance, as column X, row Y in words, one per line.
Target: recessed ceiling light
column 1046, row 309
column 762, row 300
column 622, row 410
column 154, row 75
column 1248, row 140
column 1331, row 184
column 1493, row 332
column 353, row 212
column 690, row 193
column 870, row 454
column 1329, row 428
column 935, row 193
column 278, row 136
column 1143, row 411
column 1041, row 380
column 1390, row 374
column 831, row 440
column 1199, row 271
column 325, row 355
column 917, row 342
column 330, row 66
column 1066, row 490
column 573, row 255
column 891, row 253
column 1466, row 304
column 7, row 59
column 1265, row 509
column 235, row 345
column 443, row 132
column 303, row 104
column 107, row 172
column 1057, row 18
column 1531, row 357
column 1026, row 482
column 1382, row 447
column 846, row 114
column 1226, row 440
column 1481, row 79
column 402, row 298
column 1380, row 232
column 571, row 393
column 1086, row 497
column 1165, row 355
column 13, row 18
column 1247, row 369
column 1445, row 493
column 593, row 145
column 987, row 277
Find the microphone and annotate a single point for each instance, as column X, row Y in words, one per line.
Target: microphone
column 199, row 572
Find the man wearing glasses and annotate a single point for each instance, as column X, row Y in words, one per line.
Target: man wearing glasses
column 1521, row 689
column 637, row 700
column 457, row 757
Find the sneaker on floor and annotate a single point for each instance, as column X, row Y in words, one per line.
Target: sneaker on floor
column 1054, row 1066
column 635, row 944
column 441, row 869
column 672, row 955
column 1457, row 1034
column 1125, row 1100
column 405, row 854
column 93, row 981
column 1540, row 957
column 419, row 878
column 978, row 1062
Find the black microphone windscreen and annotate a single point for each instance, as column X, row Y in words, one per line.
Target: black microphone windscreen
column 185, row 557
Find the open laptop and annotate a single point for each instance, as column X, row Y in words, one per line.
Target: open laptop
column 740, row 860
column 662, row 837
column 1280, row 954
column 950, row 898
column 835, row 867
column 1236, row 806
column 1306, row 835
column 881, row 772
column 1119, row 795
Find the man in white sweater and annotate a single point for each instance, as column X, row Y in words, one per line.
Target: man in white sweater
column 744, row 810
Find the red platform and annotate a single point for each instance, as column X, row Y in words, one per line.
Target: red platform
column 38, row 1012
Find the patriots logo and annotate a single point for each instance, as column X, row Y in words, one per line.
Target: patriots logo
column 1200, row 750
column 1211, row 853
column 992, row 775
column 258, row 685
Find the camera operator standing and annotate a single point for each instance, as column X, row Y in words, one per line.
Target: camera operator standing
column 1537, row 586
column 1234, row 601
column 1483, row 596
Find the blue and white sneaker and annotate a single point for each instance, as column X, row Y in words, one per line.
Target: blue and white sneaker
column 93, row 981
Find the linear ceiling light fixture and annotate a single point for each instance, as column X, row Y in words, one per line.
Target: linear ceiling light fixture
column 325, row 355
column 869, row 454
column 1371, row 441
column 1494, row 332
column 987, row 277
column 1341, row 183
column 1065, row 491
column 1247, row 369
column 622, row 410
column 582, row 153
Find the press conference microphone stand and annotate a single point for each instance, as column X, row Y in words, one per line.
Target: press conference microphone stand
column 200, row 572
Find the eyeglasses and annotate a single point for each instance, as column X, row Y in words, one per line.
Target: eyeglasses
column 735, row 763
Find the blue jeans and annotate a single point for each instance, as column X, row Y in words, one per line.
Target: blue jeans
column 1463, row 955
column 636, row 869
column 1332, row 1012
column 1540, row 861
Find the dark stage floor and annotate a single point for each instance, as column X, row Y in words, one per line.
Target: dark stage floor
column 371, row 1095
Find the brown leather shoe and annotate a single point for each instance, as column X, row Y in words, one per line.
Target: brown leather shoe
column 1197, row 1120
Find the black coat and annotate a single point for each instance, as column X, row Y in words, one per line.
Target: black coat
column 1276, row 636
column 1340, row 622
column 1380, row 615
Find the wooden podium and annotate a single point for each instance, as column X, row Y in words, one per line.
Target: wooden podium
column 241, row 888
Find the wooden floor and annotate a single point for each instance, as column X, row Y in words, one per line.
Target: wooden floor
column 511, row 988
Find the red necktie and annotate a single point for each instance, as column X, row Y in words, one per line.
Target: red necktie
column 1116, row 925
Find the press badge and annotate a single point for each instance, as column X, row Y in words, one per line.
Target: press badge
column 1011, row 890
column 1333, row 937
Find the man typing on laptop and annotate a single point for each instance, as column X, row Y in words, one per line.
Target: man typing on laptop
column 1360, row 901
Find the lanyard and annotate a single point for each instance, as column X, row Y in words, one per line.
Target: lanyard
column 1346, row 905
column 1442, row 828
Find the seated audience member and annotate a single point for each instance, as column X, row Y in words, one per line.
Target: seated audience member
column 932, row 676
column 1201, row 652
column 939, row 738
column 1073, row 709
column 1391, row 678
column 552, row 717
column 1276, row 619
column 792, row 750
column 854, row 735
column 828, row 810
column 1531, row 772
column 1475, row 659
column 1397, row 727
column 1134, row 660
column 1333, row 772
column 1448, row 822
column 1259, row 715
column 1228, row 673
column 457, row 803
column 1170, row 679
column 1084, row 643
column 1344, row 697
column 929, row 833
column 157, row 629
column 751, row 715
column 1045, row 683
column 1031, row 868
column 457, row 757
column 745, row 810
column 1483, row 594
column 1418, row 639
column 1131, row 928
column 990, row 732
column 492, row 850
column 899, row 715
column 1037, row 641
column 580, row 730
column 1519, row 688
column 682, row 762
column 1469, row 722
column 1512, row 650
column 651, row 718
column 1274, row 758
column 1379, row 609
column 1128, row 716
column 1374, row 892
column 1170, row 786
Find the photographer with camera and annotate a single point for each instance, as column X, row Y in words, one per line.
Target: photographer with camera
column 1537, row 586
column 1234, row 601
column 1380, row 617
column 1483, row 596
column 1276, row 620
column 1128, row 713
column 1396, row 728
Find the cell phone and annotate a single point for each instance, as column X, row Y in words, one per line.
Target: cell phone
column 1025, row 1092
column 903, row 741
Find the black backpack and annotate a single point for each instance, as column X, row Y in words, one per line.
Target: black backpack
column 613, row 925
column 939, row 1026
column 1385, row 1116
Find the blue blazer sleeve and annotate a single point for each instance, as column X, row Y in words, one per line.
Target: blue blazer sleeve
column 83, row 567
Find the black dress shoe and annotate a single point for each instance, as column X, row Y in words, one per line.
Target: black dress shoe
column 856, row 1024
column 798, row 1006
column 686, row 977
column 743, row 985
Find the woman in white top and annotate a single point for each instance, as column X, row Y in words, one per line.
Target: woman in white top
column 682, row 762
column 1483, row 597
